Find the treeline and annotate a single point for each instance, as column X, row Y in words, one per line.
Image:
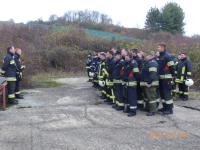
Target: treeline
column 87, row 19
column 170, row 18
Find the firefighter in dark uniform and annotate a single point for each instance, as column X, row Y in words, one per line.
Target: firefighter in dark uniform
column 118, row 90
column 166, row 75
column 88, row 66
column 175, row 59
column 102, row 75
column 131, row 74
column 150, row 80
column 109, row 79
column 20, row 68
column 9, row 71
column 184, row 72
column 138, row 56
column 94, row 70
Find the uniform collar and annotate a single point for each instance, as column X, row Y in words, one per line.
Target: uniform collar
column 163, row 53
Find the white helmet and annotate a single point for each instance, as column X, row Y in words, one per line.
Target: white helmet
column 101, row 83
column 91, row 74
column 189, row 82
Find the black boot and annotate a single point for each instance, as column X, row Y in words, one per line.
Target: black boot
column 114, row 106
column 19, row 97
column 151, row 113
column 168, row 110
column 132, row 113
column 126, row 109
column 119, row 108
column 13, row 102
column 162, row 109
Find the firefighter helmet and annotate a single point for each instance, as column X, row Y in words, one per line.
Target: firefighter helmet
column 189, row 82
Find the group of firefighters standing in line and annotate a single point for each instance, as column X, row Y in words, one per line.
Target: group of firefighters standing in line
column 132, row 79
column 12, row 70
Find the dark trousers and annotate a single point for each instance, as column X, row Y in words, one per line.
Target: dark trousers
column 118, row 91
column 151, row 96
column 183, row 90
column 132, row 97
column 17, row 88
column 165, row 88
column 11, row 90
column 140, row 97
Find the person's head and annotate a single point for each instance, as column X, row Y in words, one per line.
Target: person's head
column 179, row 56
column 135, row 52
column 18, row 51
column 109, row 54
column 102, row 56
column 129, row 56
column 118, row 56
column 11, row 49
column 183, row 55
column 161, row 47
column 123, row 52
column 140, row 54
column 114, row 50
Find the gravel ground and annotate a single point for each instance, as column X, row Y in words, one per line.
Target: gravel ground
column 68, row 118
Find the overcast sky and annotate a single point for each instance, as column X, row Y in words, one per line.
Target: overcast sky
column 130, row 13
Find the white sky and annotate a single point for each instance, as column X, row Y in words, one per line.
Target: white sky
column 130, row 13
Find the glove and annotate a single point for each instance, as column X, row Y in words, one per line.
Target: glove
column 23, row 67
column 2, row 72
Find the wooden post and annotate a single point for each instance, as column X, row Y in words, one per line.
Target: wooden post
column 3, row 87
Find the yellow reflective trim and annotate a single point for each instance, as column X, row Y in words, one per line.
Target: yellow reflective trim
column 133, row 83
column 17, row 93
column 2, row 72
column 155, row 83
column 170, row 63
column 142, row 84
column 152, row 102
column 117, row 81
column 11, row 79
column 158, row 100
column 135, row 69
column 183, row 73
column 140, row 101
column 11, row 96
column 166, row 76
column 186, row 93
column 12, row 62
column 120, row 104
column 169, row 101
column 152, row 69
column 189, row 73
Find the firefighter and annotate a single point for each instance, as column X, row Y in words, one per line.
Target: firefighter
column 150, row 82
column 9, row 71
column 88, row 67
column 131, row 74
column 94, row 70
column 166, row 75
column 101, row 75
column 184, row 72
column 175, row 59
column 20, row 68
column 109, row 79
column 138, row 56
column 117, row 71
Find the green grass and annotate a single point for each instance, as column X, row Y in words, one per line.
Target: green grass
column 48, row 80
